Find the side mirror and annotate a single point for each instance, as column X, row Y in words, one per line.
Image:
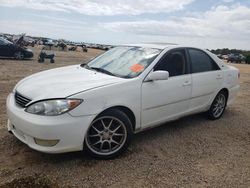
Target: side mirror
column 157, row 75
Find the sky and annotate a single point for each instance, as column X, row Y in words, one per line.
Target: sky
column 203, row 23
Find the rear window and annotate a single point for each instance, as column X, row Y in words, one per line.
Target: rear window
column 201, row 62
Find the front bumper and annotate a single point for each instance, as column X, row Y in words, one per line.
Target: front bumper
column 69, row 130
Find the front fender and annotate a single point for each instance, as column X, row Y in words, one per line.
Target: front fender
column 127, row 94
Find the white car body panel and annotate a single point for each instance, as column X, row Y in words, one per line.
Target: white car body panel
column 205, row 87
column 165, row 99
column 62, row 82
column 151, row 103
column 26, row 127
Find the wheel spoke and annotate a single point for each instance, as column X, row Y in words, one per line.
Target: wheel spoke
column 218, row 101
column 103, row 124
column 116, row 128
column 216, row 111
column 117, row 134
column 99, row 141
column 94, row 135
column 110, row 124
column 115, row 142
column 96, row 129
column 110, row 148
column 101, row 146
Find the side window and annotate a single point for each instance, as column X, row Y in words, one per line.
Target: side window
column 174, row 62
column 201, row 62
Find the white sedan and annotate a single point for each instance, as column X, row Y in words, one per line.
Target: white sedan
column 99, row 106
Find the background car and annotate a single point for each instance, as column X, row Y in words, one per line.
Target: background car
column 9, row 49
column 237, row 58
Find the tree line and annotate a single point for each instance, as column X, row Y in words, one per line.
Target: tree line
column 226, row 51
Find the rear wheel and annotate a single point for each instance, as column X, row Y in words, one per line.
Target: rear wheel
column 19, row 55
column 109, row 134
column 218, row 106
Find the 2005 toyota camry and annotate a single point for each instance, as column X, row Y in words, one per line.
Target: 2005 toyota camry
column 99, row 106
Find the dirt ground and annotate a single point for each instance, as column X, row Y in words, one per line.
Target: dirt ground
column 190, row 152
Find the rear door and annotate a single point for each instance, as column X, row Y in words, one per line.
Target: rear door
column 207, row 78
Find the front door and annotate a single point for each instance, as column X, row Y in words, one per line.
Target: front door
column 164, row 100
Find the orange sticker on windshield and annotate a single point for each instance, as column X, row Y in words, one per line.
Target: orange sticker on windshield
column 137, row 68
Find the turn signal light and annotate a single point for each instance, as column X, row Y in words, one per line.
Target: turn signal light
column 46, row 143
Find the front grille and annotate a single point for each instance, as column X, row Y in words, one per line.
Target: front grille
column 21, row 100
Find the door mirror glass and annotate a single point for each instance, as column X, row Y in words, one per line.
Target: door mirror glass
column 157, row 75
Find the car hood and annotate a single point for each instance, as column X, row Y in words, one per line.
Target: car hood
column 63, row 82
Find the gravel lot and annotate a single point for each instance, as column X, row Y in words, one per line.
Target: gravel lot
column 190, row 152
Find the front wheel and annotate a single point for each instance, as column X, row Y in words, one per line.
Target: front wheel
column 19, row 55
column 109, row 135
column 218, row 106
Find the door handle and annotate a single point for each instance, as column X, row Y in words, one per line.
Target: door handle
column 187, row 83
column 219, row 76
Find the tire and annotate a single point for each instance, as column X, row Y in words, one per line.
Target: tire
column 218, row 106
column 19, row 55
column 40, row 60
column 109, row 135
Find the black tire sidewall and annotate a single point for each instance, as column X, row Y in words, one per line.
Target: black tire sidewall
column 122, row 117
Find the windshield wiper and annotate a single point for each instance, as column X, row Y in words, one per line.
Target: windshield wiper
column 85, row 66
column 101, row 70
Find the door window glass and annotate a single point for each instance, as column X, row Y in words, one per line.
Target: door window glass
column 201, row 62
column 174, row 62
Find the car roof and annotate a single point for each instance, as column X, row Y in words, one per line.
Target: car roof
column 154, row 45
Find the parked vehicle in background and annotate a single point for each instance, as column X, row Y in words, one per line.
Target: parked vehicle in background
column 84, row 48
column 248, row 59
column 99, row 106
column 235, row 58
column 9, row 49
column 225, row 57
column 44, row 55
column 219, row 56
column 23, row 40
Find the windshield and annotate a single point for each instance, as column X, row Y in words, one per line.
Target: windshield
column 4, row 41
column 126, row 62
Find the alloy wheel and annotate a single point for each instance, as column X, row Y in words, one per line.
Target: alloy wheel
column 106, row 135
column 219, row 105
column 19, row 55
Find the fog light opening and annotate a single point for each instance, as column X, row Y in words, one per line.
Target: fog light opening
column 46, row 143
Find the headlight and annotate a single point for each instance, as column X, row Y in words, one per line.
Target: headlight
column 53, row 107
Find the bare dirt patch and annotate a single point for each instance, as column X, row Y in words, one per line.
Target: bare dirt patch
column 190, row 152
column 30, row 182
